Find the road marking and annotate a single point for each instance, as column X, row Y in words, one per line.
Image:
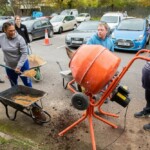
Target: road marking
column 61, row 46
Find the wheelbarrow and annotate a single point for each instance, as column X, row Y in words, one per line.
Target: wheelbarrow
column 67, row 77
column 94, row 70
column 22, row 98
column 35, row 63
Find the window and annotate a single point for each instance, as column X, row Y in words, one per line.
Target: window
column 44, row 22
column 37, row 24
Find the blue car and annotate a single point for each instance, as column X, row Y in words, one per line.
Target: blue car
column 131, row 34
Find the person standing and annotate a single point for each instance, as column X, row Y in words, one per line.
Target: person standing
column 146, row 85
column 101, row 37
column 22, row 30
column 15, row 56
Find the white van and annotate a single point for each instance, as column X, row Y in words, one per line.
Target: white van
column 73, row 12
column 113, row 19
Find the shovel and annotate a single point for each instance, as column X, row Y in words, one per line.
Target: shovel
column 28, row 73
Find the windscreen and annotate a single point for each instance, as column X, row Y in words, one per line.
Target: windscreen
column 110, row 19
column 88, row 26
column 131, row 24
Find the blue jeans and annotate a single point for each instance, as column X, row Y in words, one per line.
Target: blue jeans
column 13, row 76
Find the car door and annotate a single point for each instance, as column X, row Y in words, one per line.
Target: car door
column 45, row 25
column 72, row 22
column 36, row 32
column 66, row 23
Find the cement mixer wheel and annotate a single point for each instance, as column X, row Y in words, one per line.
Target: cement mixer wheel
column 80, row 101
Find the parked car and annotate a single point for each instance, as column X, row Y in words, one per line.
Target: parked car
column 63, row 23
column 25, row 18
column 53, row 14
column 3, row 21
column 73, row 12
column 131, row 34
column 6, row 17
column 81, row 34
column 148, row 18
column 83, row 17
column 36, row 28
column 113, row 19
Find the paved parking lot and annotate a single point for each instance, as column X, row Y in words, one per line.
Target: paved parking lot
column 58, row 104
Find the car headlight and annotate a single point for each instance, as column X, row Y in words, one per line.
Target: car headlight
column 140, row 38
column 86, row 39
column 68, row 38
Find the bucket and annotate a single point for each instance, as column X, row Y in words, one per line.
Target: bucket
column 93, row 66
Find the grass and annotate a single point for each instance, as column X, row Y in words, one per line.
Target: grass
column 16, row 144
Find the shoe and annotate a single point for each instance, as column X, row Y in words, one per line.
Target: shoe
column 38, row 114
column 2, row 81
column 146, row 127
column 142, row 113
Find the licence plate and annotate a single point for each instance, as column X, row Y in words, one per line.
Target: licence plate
column 77, row 42
column 124, row 43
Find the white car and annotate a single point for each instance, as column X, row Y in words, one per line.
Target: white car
column 63, row 23
column 83, row 17
column 113, row 19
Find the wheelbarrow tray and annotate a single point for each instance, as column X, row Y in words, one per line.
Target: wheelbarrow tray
column 6, row 96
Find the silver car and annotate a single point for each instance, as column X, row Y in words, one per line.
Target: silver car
column 63, row 23
column 81, row 34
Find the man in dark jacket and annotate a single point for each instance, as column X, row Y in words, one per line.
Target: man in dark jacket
column 146, row 85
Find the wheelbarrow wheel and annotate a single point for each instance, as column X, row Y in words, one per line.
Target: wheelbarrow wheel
column 40, row 116
column 80, row 101
column 38, row 77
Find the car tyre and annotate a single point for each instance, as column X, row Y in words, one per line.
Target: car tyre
column 30, row 37
column 75, row 26
column 60, row 30
column 51, row 33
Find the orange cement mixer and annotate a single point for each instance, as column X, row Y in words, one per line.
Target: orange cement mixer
column 93, row 66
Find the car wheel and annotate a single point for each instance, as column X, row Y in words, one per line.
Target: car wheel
column 75, row 26
column 30, row 37
column 60, row 30
column 51, row 33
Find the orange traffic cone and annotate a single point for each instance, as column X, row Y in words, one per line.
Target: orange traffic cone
column 46, row 40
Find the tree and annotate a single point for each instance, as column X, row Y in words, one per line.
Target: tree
column 3, row 6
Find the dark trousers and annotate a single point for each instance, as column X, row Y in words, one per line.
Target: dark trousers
column 13, row 76
column 147, row 97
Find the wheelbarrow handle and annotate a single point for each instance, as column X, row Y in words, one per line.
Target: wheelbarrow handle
column 6, row 67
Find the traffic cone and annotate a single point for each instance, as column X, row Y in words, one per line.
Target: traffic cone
column 46, row 40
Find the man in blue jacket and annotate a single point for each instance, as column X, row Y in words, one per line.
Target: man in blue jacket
column 101, row 38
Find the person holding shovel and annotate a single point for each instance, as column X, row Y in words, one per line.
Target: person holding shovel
column 15, row 54
column 15, row 57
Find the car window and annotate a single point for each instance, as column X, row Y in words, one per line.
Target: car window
column 44, row 22
column 67, row 18
column 37, row 24
column 72, row 17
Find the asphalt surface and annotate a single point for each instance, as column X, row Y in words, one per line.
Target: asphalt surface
column 58, row 104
